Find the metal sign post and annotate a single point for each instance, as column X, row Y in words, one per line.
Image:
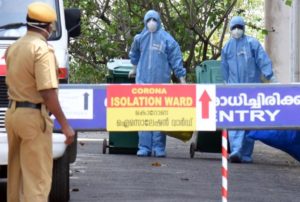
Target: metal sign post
column 224, row 166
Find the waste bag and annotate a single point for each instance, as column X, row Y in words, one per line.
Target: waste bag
column 181, row 135
column 285, row 140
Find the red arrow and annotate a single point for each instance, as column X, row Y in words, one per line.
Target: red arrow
column 205, row 99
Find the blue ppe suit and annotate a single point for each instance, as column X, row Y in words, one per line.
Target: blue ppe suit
column 243, row 61
column 156, row 55
column 285, row 140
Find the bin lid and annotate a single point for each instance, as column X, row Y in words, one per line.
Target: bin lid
column 115, row 63
column 209, row 71
column 211, row 64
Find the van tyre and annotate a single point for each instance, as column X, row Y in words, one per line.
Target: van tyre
column 72, row 150
column 104, row 146
column 60, row 180
column 192, row 149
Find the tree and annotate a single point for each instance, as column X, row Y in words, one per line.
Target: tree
column 108, row 28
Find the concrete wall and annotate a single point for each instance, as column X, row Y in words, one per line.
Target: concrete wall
column 295, row 41
column 283, row 43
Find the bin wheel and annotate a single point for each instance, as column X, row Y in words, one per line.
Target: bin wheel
column 104, row 146
column 192, row 149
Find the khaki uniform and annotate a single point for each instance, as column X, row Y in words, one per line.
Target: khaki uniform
column 31, row 67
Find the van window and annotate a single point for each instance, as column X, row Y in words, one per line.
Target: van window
column 14, row 13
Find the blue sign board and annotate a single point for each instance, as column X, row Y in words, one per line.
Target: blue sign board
column 258, row 106
column 98, row 119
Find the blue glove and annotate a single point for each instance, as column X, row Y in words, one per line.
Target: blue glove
column 132, row 72
column 273, row 79
column 182, row 80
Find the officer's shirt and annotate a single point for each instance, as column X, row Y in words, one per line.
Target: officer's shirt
column 32, row 67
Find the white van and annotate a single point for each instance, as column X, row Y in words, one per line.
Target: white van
column 12, row 26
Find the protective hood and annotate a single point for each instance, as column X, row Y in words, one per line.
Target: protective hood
column 237, row 20
column 152, row 14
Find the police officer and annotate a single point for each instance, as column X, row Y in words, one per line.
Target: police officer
column 32, row 90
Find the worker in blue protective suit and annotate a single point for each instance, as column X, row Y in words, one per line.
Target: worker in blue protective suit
column 243, row 61
column 155, row 55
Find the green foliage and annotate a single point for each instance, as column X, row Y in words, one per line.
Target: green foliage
column 86, row 74
column 191, row 77
column 264, row 32
column 288, row 2
column 199, row 26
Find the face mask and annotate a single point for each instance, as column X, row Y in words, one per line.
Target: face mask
column 152, row 25
column 42, row 29
column 237, row 33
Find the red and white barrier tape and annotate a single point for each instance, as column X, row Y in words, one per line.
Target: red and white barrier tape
column 224, row 166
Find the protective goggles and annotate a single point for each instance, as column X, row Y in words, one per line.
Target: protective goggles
column 152, row 19
column 237, row 26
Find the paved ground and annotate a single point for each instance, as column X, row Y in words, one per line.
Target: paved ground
column 111, row 177
column 97, row 177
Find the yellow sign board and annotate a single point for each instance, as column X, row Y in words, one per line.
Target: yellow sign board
column 156, row 107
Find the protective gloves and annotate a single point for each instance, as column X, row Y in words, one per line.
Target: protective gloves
column 273, row 79
column 132, row 72
column 182, row 80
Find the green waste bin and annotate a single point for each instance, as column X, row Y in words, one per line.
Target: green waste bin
column 120, row 142
column 118, row 70
column 208, row 72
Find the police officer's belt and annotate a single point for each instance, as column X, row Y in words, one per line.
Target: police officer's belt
column 25, row 105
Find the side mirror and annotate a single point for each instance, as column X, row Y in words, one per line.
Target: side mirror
column 72, row 17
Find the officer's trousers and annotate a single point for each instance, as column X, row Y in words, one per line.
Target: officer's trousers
column 30, row 154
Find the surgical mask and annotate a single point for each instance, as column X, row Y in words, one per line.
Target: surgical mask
column 237, row 33
column 152, row 25
column 32, row 24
